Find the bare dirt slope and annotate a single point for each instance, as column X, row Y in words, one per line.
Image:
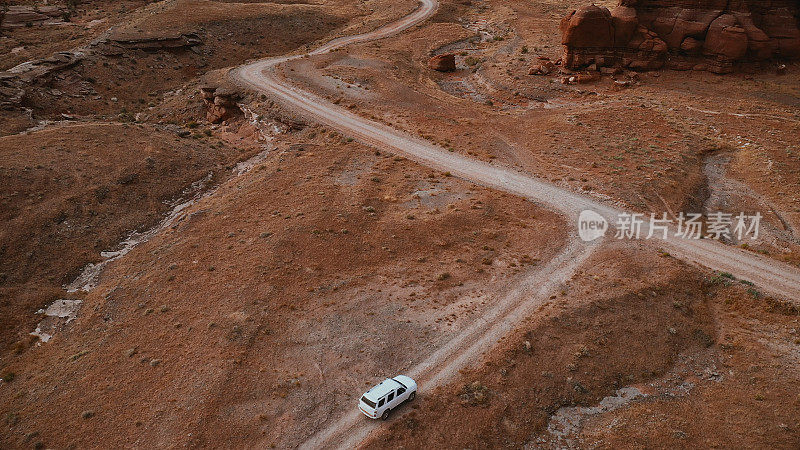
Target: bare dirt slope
column 228, row 325
column 75, row 190
column 647, row 146
column 709, row 255
column 651, row 354
column 79, row 22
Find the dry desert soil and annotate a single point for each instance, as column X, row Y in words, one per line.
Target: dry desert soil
column 222, row 222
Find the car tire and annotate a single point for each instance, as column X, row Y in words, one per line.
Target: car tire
column 412, row 395
column 385, row 414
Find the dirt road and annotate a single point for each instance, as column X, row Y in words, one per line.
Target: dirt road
column 467, row 347
column 771, row 276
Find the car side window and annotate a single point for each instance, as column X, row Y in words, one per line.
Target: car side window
column 400, row 391
column 380, row 403
column 391, row 396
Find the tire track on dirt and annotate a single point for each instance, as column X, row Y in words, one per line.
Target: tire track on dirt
column 467, row 348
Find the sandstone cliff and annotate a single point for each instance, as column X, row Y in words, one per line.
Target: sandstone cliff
column 682, row 34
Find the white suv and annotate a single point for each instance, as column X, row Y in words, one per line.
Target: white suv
column 381, row 399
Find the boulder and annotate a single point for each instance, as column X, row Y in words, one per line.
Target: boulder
column 688, row 22
column 625, row 22
column 544, row 68
column 588, row 26
column 220, row 103
column 443, row 63
column 759, row 45
column 781, row 26
column 591, row 77
column 207, row 92
column 691, row 46
column 614, row 71
column 726, row 39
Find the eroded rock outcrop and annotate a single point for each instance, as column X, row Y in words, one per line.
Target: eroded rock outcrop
column 27, row 15
column 443, row 63
column 165, row 42
column 682, row 34
column 220, row 103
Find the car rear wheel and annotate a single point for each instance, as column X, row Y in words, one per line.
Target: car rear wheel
column 412, row 395
column 385, row 414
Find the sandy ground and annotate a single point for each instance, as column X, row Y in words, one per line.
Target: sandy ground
column 630, row 355
column 74, row 190
column 398, row 220
column 382, row 263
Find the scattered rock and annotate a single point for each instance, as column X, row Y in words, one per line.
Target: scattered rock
column 545, row 68
column 611, row 71
column 622, row 83
column 588, row 26
column 591, row 77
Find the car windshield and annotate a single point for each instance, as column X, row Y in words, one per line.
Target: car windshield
column 368, row 402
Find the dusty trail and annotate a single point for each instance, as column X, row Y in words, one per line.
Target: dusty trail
column 467, row 347
column 775, row 277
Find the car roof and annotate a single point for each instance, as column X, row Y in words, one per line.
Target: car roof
column 382, row 389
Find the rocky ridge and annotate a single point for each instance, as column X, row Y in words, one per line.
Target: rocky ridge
column 713, row 35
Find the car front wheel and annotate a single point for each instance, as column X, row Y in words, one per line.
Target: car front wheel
column 412, row 395
column 385, row 414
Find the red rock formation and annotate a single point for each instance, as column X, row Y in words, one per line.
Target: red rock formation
column 647, row 34
column 26, row 15
column 443, row 63
column 220, row 103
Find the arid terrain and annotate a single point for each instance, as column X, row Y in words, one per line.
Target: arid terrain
column 222, row 222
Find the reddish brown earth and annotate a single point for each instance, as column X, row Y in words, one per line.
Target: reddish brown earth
column 159, row 47
column 86, row 20
column 75, row 190
column 695, row 343
column 644, row 145
column 264, row 311
column 378, row 247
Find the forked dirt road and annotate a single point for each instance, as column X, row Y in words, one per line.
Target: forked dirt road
column 771, row 276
